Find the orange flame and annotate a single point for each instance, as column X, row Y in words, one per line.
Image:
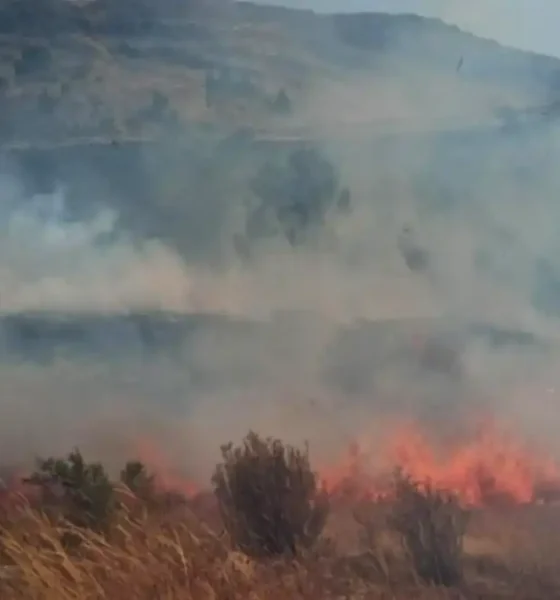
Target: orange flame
column 167, row 477
column 489, row 468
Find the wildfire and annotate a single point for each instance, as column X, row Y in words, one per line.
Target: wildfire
column 488, row 468
column 168, row 478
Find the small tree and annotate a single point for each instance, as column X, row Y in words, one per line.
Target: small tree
column 432, row 526
column 268, row 497
column 282, row 103
column 159, row 106
column 81, row 491
column 296, row 197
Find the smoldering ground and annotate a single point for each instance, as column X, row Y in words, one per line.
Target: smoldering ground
column 308, row 340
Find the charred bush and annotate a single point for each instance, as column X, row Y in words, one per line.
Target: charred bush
column 431, row 524
column 268, row 497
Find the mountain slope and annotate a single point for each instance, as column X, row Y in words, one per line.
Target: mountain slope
column 84, row 71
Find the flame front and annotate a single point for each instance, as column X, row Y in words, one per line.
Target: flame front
column 488, row 468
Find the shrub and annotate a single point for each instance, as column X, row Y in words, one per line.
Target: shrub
column 296, row 197
column 268, row 497
column 81, row 492
column 281, row 103
column 432, row 525
column 144, row 489
column 136, row 478
column 159, row 106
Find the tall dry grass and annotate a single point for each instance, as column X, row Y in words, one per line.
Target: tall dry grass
column 180, row 556
column 152, row 546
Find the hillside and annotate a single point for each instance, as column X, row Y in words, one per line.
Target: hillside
column 339, row 231
column 129, row 70
column 192, row 123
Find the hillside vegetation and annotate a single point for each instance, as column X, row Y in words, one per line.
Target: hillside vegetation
column 115, row 70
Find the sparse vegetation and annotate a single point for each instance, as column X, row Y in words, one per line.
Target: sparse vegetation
column 269, row 497
column 272, row 507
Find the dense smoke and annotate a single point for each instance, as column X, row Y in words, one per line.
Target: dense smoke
column 426, row 213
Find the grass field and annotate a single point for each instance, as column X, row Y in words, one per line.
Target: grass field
column 182, row 550
column 180, row 557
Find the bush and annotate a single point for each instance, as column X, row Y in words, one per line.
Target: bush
column 144, row 489
column 432, row 526
column 80, row 492
column 268, row 497
column 282, row 103
column 136, row 478
column 159, row 106
column 296, row 197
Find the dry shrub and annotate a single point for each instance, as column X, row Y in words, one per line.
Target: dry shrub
column 268, row 497
column 432, row 526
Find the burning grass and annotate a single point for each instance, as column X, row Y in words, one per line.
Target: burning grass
column 412, row 543
column 489, row 467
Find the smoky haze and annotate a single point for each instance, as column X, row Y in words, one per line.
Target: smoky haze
column 449, row 231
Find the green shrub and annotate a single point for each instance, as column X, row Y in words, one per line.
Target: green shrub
column 296, row 197
column 432, row 526
column 136, row 478
column 81, row 492
column 145, row 491
column 268, row 497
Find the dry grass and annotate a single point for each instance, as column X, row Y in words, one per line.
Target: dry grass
column 179, row 556
column 152, row 548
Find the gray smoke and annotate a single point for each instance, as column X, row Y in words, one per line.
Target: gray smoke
column 452, row 223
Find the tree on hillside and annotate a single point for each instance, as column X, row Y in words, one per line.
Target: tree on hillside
column 281, row 103
column 296, row 197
